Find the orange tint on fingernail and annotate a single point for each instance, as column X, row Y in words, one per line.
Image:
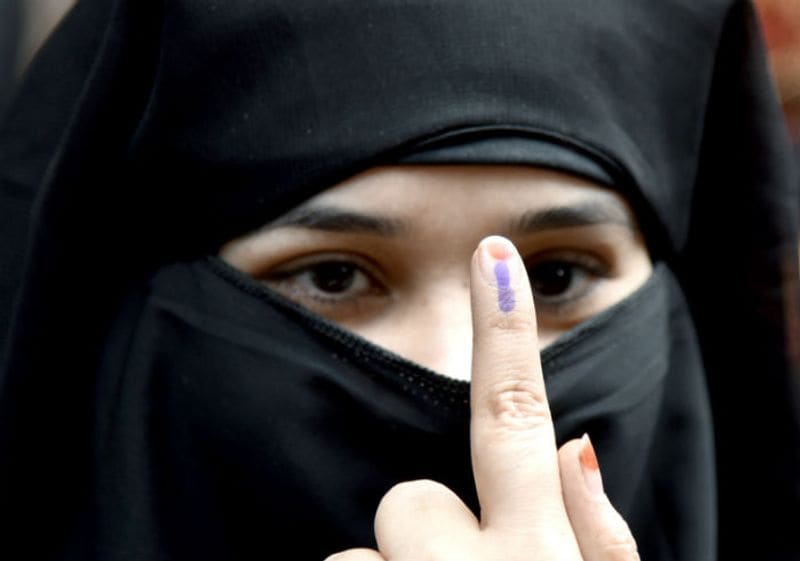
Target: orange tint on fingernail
column 588, row 457
column 590, row 467
column 498, row 249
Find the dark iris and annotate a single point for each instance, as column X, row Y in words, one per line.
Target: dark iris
column 551, row 278
column 333, row 276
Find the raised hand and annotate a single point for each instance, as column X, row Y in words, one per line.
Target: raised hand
column 538, row 503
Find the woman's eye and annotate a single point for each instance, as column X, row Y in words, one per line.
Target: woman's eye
column 334, row 277
column 563, row 281
column 552, row 278
column 328, row 286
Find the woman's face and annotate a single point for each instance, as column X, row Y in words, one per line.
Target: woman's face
column 386, row 253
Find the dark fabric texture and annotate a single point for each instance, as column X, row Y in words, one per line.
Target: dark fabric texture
column 10, row 31
column 34, row 122
column 10, row 229
column 157, row 405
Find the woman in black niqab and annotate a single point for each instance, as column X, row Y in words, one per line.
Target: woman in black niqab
column 136, row 419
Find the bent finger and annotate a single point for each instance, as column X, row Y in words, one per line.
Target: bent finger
column 514, row 453
column 424, row 520
column 358, row 554
column 600, row 530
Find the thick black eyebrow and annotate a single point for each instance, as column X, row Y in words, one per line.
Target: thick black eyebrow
column 587, row 213
column 332, row 219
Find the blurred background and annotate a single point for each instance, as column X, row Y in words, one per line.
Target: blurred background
column 781, row 21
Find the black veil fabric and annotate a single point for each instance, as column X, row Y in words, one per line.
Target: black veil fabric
column 136, row 421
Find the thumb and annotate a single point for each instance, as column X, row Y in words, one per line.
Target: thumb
column 600, row 530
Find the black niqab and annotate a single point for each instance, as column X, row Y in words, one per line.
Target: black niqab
column 153, row 403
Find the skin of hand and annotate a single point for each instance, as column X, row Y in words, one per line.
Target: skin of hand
column 538, row 503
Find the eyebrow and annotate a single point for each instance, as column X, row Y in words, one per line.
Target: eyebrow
column 585, row 213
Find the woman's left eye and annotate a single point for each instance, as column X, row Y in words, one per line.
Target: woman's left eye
column 560, row 281
column 333, row 277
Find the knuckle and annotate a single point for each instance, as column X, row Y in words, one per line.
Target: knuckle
column 411, row 496
column 519, row 403
column 356, row 554
column 515, row 322
column 437, row 548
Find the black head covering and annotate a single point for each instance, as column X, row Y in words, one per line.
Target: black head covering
column 10, row 32
column 156, row 404
column 10, row 35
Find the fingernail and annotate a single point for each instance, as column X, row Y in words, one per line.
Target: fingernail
column 499, row 269
column 590, row 467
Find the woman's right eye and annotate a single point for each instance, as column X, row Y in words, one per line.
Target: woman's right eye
column 329, row 286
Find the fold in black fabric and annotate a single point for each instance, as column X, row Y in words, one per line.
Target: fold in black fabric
column 134, row 426
column 31, row 129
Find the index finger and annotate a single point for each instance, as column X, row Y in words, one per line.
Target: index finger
column 514, row 455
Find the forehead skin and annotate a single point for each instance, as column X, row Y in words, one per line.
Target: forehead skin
column 427, row 196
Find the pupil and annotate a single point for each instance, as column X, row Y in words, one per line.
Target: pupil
column 551, row 279
column 333, row 276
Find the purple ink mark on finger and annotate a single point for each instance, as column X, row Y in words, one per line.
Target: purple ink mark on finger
column 505, row 295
